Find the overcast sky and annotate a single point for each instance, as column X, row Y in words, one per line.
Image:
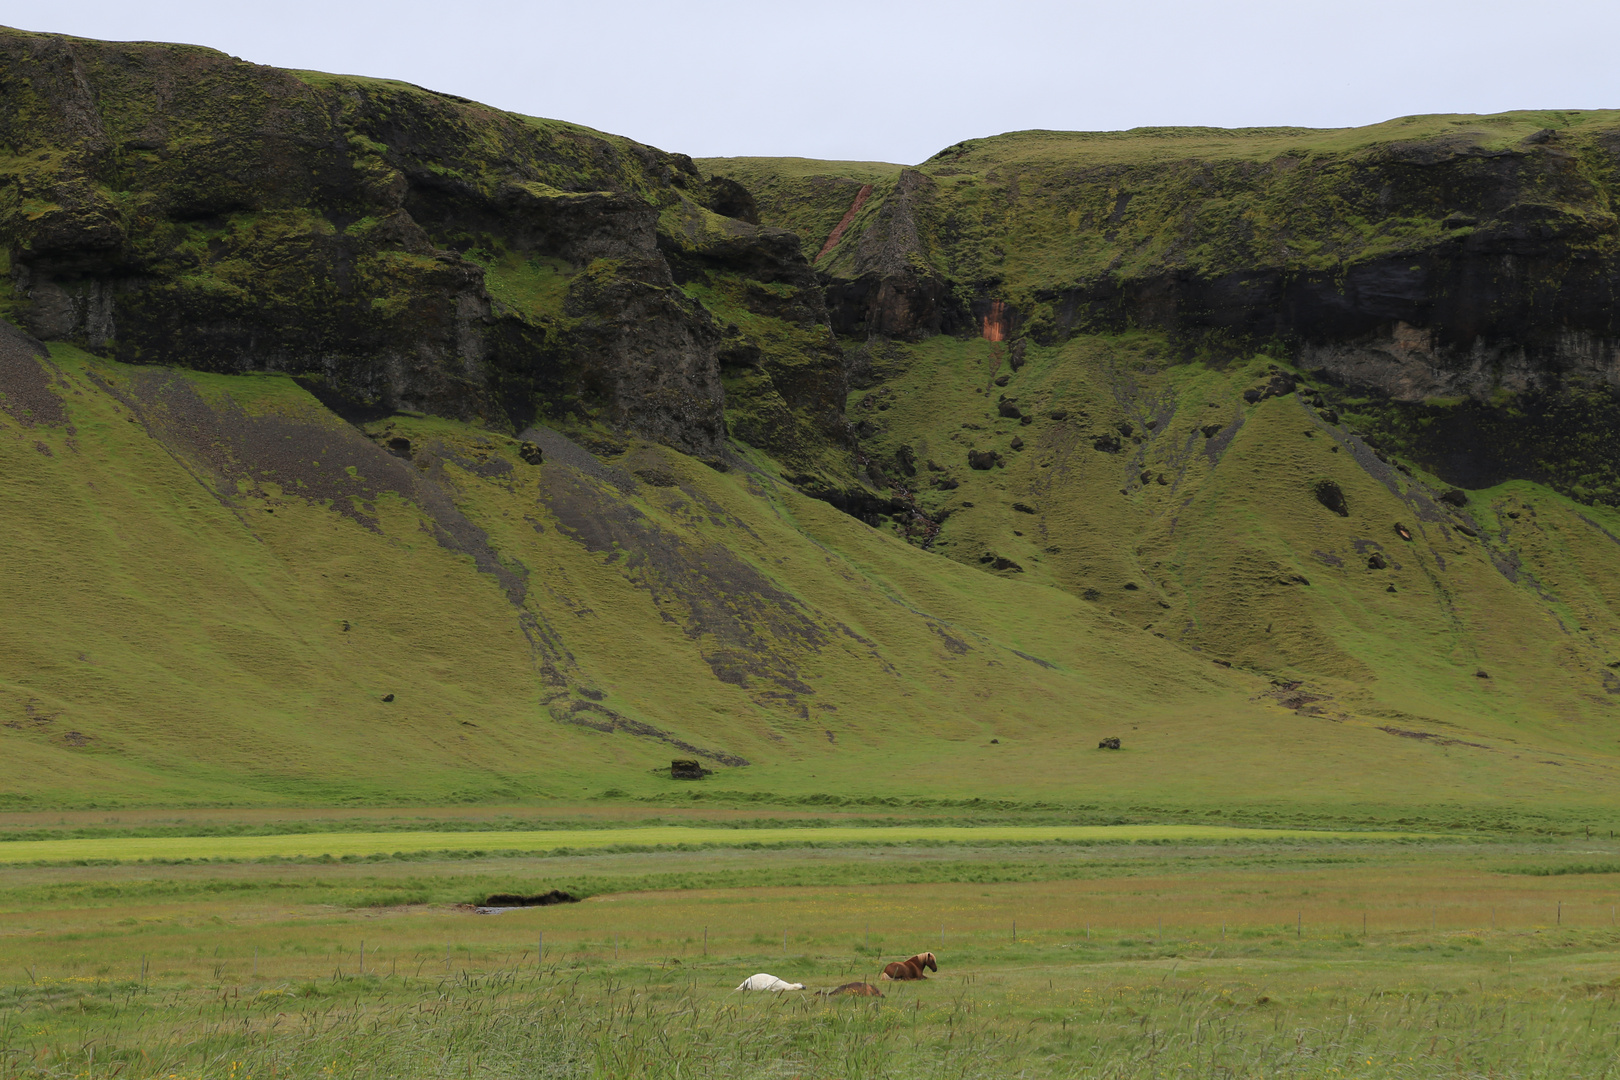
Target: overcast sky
column 897, row 80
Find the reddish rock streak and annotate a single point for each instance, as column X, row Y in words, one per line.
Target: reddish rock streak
column 849, row 216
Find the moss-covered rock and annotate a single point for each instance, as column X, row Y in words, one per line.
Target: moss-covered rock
column 1420, row 264
column 393, row 247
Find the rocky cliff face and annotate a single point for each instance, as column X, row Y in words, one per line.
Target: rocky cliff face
column 1423, row 260
column 394, row 248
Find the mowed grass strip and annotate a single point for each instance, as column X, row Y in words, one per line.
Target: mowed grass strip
column 337, row 845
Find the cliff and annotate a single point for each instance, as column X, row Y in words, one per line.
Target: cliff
column 1453, row 277
column 398, row 249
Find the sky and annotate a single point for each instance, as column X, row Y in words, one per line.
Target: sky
column 898, row 80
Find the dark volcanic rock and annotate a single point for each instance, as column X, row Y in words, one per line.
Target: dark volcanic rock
column 392, row 247
column 1330, row 495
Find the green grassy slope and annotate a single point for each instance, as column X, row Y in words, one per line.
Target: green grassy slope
column 212, row 583
column 1203, row 539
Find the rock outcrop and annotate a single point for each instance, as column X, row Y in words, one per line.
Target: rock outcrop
column 1471, row 261
column 396, row 249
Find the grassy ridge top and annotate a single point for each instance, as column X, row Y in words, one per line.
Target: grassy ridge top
column 1495, row 131
column 1032, row 211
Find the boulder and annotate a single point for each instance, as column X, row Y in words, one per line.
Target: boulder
column 1330, row 495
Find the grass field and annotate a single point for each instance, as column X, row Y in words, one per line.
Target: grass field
column 1300, row 957
column 128, row 849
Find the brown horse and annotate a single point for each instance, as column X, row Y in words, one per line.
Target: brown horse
column 906, row 970
column 854, row 989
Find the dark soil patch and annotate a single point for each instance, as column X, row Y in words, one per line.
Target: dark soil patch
column 545, row 899
column 1431, row 737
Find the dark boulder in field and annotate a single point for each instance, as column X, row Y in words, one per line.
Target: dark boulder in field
column 1109, row 743
column 983, row 459
column 1330, row 495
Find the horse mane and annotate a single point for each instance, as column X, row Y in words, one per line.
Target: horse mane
column 923, row 960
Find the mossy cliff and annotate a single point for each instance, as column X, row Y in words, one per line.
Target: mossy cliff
column 1412, row 264
column 400, row 249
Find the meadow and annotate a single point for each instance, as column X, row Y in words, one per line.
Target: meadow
column 1293, row 956
column 294, row 845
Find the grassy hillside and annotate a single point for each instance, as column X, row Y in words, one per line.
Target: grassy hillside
column 214, row 583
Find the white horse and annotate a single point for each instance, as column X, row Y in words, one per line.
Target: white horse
column 768, row 982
